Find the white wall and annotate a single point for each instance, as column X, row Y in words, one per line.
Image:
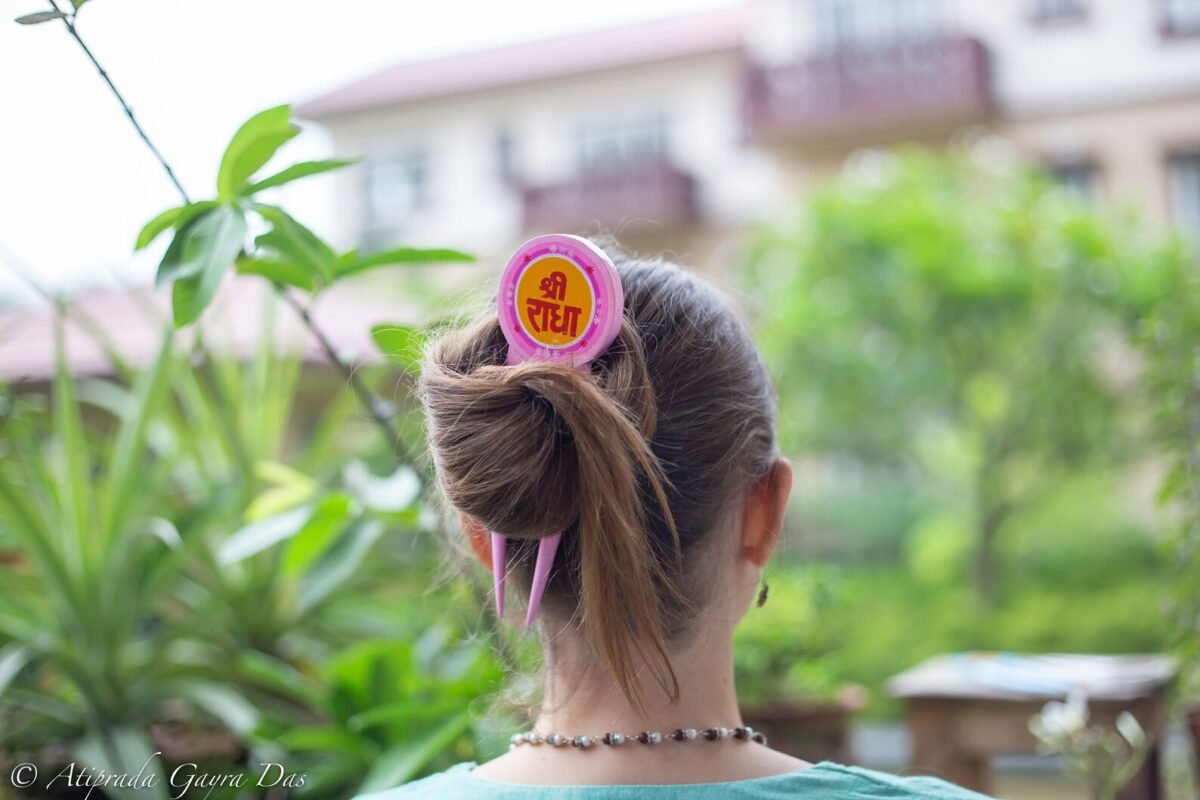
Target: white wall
column 1116, row 55
column 470, row 205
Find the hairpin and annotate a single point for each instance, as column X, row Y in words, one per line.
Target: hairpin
column 560, row 298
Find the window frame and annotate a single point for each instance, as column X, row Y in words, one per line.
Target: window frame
column 917, row 20
column 621, row 132
column 1172, row 157
column 1058, row 168
column 1167, row 30
column 389, row 226
column 1041, row 17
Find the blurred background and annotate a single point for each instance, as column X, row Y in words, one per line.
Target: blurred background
column 964, row 234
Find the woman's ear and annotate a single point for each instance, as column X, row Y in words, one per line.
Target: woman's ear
column 765, row 511
column 479, row 539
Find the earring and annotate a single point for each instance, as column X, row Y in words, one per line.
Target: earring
column 762, row 594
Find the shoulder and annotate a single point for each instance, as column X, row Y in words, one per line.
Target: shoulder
column 868, row 783
column 448, row 785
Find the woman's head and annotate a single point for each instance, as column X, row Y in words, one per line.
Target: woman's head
column 640, row 461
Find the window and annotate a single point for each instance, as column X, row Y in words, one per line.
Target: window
column 1181, row 17
column 618, row 146
column 1051, row 11
column 845, row 24
column 1184, row 178
column 1077, row 176
column 396, row 187
column 505, row 158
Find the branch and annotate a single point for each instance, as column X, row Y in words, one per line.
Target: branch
column 371, row 401
column 374, row 405
column 68, row 21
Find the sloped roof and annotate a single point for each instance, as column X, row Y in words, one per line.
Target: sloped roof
column 132, row 321
column 580, row 53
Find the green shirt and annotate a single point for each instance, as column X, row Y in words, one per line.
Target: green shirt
column 826, row 781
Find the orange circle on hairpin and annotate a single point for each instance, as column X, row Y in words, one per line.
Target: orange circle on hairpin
column 560, row 298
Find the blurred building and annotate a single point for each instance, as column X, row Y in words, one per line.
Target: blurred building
column 677, row 133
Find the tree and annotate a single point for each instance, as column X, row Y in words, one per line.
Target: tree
column 961, row 327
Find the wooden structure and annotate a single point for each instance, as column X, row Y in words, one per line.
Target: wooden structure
column 965, row 708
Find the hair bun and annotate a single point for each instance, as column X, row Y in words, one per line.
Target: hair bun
column 505, row 438
column 532, row 449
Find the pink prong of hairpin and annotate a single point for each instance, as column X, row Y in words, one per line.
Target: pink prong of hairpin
column 499, row 567
column 541, row 574
column 605, row 316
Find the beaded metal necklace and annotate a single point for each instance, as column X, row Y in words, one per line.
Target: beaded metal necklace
column 613, row 739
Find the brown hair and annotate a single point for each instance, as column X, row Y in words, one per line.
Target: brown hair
column 634, row 461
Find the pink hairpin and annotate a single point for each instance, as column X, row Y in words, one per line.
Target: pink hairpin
column 560, row 298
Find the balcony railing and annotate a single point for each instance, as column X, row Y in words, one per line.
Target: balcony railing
column 660, row 194
column 890, row 88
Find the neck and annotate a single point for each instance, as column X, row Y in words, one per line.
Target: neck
column 581, row 697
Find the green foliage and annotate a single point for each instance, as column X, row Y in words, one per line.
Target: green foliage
column 779, row 648
column 240, row 579
column 352, row 263
column 401, row 343
column 885, row 621
column 396, row 708
column 1169, row 339
column 951, row 325
column 252, row 147
column 301, row 169
column 209, row 236
column 170, row 562
column 84, row 664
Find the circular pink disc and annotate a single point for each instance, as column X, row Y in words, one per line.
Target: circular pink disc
column 560, row 298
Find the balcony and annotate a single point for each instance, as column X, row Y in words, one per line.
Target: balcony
column 901, row 89
column 660, row 194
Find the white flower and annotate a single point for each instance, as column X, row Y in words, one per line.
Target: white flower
column 1066, row 719
column 1127, row 726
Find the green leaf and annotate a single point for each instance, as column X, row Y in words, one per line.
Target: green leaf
column 151, row 230
column 185, row 295
column 124, row 751
column 125, row 475
column 210, row 245
column 280, row 677
column 407, row 714
column 78, row 4
column 318, row 534
column 258, row 536
column 223, row 703
column 403, row 256
column 171, row 266
column 287, row 273
column 295, row 172
column 76, row 497
column 405, row 760
column 403, row 344
column 294, row 240
column 326, row 740
column 252, row 147
column 13, row 659
column 340, row 565
column 289, row 488
column 395, row 492
column 209, row 242
column 177, row 217
column 38, row 17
